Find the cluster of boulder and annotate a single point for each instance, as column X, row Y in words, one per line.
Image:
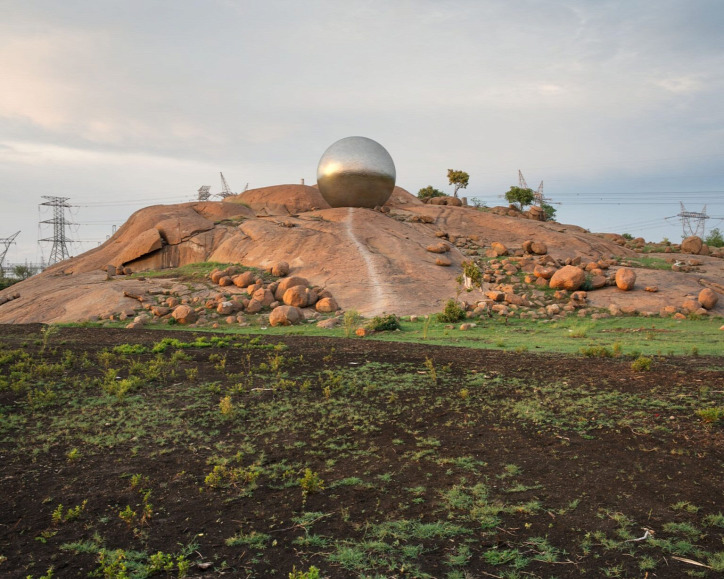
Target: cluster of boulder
column 520, row 284
column 692, row 245
column 287, row 300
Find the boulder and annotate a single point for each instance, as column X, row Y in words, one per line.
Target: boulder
column 263, row 296
column 288, row 282
column 280, row 269
column 708, row 298
column 499, row 248
column 544, row 271
column 692, row 244
column 225, row 308
column 326, row 305
column 285, row 316
column 253, row 307
column 244, row 279
column 569, row 277
column 598, row 281
column 690, row 305
column 329, row 323
column 536, row 213
column 443, row 261
column 184, row 314
column 625, row 279
column 495, row 296
column 538, row 248
column 296, row 296
column 159, row 311
column 438, row 247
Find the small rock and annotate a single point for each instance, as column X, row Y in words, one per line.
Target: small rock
column 328, row 323
column 652, row 288
column 443, row 261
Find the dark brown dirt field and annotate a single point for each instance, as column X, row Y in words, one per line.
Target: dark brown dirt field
column 254, row 457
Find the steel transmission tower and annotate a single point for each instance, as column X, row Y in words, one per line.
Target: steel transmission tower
column 693, row 222
column 225, row 189
column 204, row 193
column 60, row 240
column 7, row 242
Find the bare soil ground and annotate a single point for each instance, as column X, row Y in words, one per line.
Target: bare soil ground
column 249, row 457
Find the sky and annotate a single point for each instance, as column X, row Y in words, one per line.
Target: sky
column 615, row 105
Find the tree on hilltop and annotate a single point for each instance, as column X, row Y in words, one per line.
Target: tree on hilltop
column 458, row 179
column 429, row 192
column 520, row 195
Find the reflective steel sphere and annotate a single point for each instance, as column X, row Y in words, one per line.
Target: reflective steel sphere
column 356, row 172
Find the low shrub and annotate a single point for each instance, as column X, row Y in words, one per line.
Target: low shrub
column 452, row 313
column 388, row 323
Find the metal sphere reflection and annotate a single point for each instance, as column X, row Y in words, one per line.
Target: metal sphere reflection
column 356, row 172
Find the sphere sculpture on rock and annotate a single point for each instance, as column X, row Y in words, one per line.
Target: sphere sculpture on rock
column 356, row 172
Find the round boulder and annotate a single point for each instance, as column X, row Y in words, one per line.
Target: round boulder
column 184, row 314
column 708, row 298
column 288, row 282
column 625, row 279
column 285, row 316
column 296, row 296
column 244, row 279
column 569, row 277
column 280, row 269
column 326, row 305
column 692, row 244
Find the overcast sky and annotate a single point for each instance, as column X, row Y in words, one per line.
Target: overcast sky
column 616, row 105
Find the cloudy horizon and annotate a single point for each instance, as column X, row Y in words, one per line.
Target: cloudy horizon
column 117, row 105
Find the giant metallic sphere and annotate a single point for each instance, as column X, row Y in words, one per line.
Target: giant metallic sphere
column 356, row 172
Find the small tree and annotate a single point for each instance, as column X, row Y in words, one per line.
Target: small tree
column 549, row 210
column 458, row 179
column 714, row 239
column 428, row 193
column 521, row 196
column 22, row 272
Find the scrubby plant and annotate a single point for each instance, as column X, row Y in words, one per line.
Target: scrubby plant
column 641, row 364
column 453, row 312
column 385, row 323
column 351, row 321
column 712, row 415
column 313, row 573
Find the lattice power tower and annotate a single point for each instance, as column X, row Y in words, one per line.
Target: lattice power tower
column 693, row 222
column 7, row 242
column 60, row 240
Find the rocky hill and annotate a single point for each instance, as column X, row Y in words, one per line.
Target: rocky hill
column 403, row 258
